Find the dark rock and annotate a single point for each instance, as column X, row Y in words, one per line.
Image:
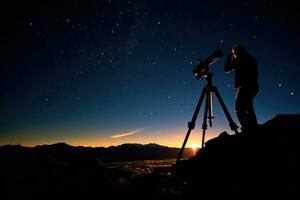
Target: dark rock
column 257, row 165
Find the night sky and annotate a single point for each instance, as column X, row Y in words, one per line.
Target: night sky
column 101, row 73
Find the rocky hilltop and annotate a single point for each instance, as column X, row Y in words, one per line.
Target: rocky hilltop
column 263, row 164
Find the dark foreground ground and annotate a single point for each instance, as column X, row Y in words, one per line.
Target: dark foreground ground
column 61, row 170
column 263, row 164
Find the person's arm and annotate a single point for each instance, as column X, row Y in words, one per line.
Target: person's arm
column 229, row 64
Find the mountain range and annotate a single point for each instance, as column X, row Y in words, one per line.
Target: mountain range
column 64, row 171
column 124, row 152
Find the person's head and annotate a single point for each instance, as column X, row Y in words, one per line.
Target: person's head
column 238, row 50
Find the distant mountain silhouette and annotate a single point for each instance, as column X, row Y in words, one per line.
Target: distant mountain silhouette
column 60, row 170
column 123, row 152
column 130, row 152
column 263, row 164
column 52, row 172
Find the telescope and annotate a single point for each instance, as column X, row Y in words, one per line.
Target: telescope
column 201, row 70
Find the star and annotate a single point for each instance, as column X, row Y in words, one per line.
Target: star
column 169, row 98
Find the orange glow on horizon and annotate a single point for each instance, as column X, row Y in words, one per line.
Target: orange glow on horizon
column 94, row 139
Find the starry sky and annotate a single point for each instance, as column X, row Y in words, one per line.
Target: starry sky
column 101, row 73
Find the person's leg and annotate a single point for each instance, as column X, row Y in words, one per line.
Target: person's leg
column 240, row 109
column 245, row 110
column 251, row 114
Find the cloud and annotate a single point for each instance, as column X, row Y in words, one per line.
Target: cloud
column 120, row 135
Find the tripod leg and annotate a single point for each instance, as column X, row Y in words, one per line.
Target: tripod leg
column 210, row 109
column 232, row 125
column 191, row 124
column 204, row 124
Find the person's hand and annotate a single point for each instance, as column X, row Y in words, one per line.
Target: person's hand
column 229, row 63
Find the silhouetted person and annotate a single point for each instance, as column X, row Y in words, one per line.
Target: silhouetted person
column 246, row 84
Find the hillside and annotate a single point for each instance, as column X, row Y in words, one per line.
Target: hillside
column 263, row 164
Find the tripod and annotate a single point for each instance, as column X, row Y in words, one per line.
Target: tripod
column 207, row 91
